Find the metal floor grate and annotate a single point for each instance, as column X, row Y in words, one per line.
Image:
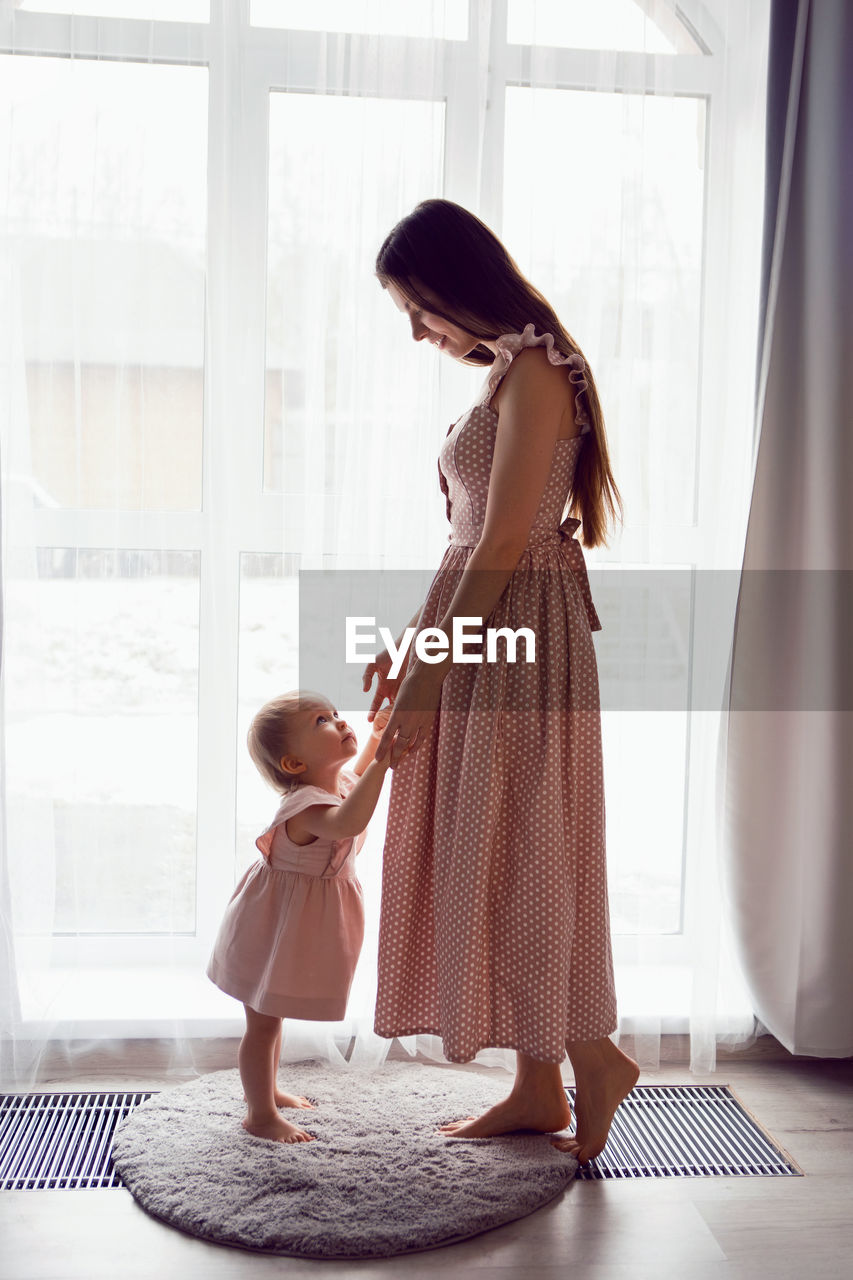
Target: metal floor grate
column 63, row 1141
column 60, row 1141
column 686, row 1131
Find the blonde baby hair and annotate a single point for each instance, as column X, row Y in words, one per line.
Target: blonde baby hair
column 269, row 736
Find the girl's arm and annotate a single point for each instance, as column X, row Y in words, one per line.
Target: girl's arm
column 376, row 729
column 339, row 822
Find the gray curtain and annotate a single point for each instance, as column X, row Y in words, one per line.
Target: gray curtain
column 788, row 774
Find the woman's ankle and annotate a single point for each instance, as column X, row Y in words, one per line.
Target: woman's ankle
column 533, row 1075
column 595, row 1054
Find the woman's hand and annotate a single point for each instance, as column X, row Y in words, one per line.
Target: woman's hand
column 386, row 687
column 413, row 714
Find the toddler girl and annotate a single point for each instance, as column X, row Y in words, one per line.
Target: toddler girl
column 292, row 932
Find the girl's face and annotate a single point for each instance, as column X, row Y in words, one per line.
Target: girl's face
column 321, row 739
column 448, row 337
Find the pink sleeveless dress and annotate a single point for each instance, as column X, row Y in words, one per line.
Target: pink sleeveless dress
column 292, row 932
column 494, row 927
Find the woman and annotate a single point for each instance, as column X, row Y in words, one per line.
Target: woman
column 494, row 927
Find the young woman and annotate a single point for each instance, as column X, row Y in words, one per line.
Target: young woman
column 494, row 927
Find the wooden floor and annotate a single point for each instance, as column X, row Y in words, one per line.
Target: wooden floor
column 687, row 1229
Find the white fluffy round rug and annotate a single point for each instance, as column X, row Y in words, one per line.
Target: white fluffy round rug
column 378, row 1181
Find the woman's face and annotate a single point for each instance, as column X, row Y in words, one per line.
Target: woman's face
column 448, row 337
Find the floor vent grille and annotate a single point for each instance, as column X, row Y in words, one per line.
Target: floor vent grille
column 686, row 1131
column 60, row 1141
column 63, row 1141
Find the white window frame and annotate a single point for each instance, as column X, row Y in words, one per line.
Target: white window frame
column 245, row 64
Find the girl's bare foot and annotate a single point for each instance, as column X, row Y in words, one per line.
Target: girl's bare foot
column 604, row 1076
column 289, row 1100
column 292, row 1100
column 275, row 1129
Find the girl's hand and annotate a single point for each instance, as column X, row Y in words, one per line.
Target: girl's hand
column 386, row 687
column 413, row 714
column 380, row 720
column 379, row 725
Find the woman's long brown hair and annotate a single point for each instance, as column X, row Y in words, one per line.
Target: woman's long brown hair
column 443, row 248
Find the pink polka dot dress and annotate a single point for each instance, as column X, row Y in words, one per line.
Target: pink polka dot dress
column 494, row 927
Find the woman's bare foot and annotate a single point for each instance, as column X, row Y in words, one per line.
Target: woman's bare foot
column 537, row 1101
column 604, row 1076
column 512, row 1114
column 275, row 1129
column 292, row 1100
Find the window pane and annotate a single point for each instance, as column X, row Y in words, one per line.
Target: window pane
column 645, row 765
column 447, row 19
column 105, row 216
column 269, row 663
column 101, row 732
column 324, row 388
column 599, row 24
column 615, row 239
column 161, row 10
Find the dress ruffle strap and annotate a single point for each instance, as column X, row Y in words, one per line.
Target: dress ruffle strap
column 509, row 345
column 577, row 563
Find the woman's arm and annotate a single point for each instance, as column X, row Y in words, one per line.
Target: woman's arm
column 530, row 406
column 386, row 686
column 532, row 401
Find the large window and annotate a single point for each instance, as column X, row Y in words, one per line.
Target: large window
column 206, row 386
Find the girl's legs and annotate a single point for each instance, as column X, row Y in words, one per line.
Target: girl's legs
column 284, row 1099
column 537, row 1101
column 255, row 1059
column 604, row 1076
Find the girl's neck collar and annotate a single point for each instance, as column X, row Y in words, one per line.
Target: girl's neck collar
column 335, row 789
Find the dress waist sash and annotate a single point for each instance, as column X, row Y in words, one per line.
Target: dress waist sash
column 565, row 537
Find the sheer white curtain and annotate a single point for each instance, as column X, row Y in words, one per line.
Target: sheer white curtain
column 204, row 390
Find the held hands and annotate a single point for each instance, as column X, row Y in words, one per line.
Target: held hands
column 380, row 720
column 377, row 728
column 411, row 720
column 386, row 687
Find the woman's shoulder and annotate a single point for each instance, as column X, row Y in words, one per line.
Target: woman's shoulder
column 531, row 366
column 536, row 361
column 531, row 369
